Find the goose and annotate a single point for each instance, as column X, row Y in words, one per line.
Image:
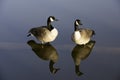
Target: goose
column 81, row 36
column 45, row 34
column 80, row 53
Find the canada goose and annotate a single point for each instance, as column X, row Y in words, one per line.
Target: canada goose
column 45, row 52
column 81, row 36
column 81, row 52
column 47, row 33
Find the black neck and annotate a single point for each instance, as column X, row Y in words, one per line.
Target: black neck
column 75, row 27
column 77, row 68
column 49, row 25
column 51, row 63
column 51, row 67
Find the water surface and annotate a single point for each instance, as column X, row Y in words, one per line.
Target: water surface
column 18, row 61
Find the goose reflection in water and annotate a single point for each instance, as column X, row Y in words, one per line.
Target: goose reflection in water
column 81, row 52
column 45, row 52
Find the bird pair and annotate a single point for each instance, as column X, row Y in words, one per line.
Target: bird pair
column 46, row 34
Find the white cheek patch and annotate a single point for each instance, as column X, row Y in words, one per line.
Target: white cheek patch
column 32, row 34
column 51, row 19
column 77, row 23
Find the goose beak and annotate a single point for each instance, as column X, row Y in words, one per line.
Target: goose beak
column 81, row 24
column 56, row 20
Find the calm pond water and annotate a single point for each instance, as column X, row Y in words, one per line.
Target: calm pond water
column 23, row 58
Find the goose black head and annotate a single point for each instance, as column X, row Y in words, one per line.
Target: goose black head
column 77, row 22
column 52, row 18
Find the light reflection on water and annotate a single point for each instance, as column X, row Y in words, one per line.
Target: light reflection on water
column 81, row 52
column 45, row 52
column 19, row 62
